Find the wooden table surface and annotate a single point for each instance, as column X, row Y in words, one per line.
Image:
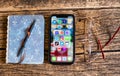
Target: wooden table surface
column 105, row 14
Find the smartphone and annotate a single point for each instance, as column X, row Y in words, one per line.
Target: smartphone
column 62, row 39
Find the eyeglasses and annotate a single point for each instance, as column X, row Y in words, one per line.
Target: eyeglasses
column 92, row 30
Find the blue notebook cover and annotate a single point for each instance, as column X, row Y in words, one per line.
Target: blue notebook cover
column 33, row 51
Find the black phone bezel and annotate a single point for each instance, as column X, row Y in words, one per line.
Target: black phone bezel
column 49, row 56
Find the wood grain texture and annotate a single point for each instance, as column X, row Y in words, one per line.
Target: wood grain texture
column 15, row 5
column 106, row 17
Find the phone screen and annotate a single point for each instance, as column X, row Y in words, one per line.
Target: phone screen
column 62, row 39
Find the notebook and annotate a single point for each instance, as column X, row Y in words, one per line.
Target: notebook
column 33, row 50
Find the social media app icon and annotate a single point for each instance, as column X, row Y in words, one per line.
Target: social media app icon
column 53, row 49
column 69, row 26
column 67, row 32
column 67, row 44
column 64, row 21
column 59, row 49
column 61, row 43
column 56, row 43
column 59, row 21
column 59, row 26
column 53, row 58
column 61, row 32
column 69, row 58
column 70, row 20
column 56, row 32
column 67, row 38
column 53, row 26
column 56, row 38
column 54, row 18
column 54, row 22
column 61, row 38
column 64, row 58
column 59, row 58
column 64, row 49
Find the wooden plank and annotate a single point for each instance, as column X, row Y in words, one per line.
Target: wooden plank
column 97, row 65
column 16, row 5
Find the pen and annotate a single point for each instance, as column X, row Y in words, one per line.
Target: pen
column 28, row 31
